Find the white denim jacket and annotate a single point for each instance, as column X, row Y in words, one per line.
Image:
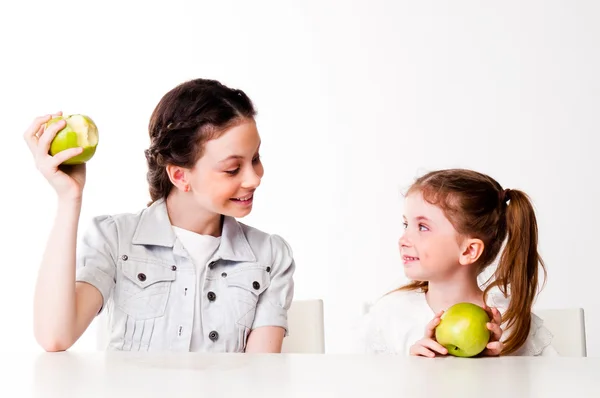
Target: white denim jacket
column 148, row 282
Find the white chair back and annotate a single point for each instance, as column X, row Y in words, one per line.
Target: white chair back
column 568, row 327
column 306, row 328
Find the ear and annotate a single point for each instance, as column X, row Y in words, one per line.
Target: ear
column 178, row 176
column 471, row 250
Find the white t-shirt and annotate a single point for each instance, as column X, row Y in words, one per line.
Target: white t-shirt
column 396, row 321
column 200, row 248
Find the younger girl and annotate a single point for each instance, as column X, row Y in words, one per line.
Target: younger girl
column 182, row 274
column 456, row 222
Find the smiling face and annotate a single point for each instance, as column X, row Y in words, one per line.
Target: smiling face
column 229, row 171
column 430, row 246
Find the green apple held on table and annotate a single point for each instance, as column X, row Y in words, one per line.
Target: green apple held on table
column 463, row 330
column 80, row 131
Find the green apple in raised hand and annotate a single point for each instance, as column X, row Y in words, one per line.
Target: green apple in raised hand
column 463, row 330
column 80, row 131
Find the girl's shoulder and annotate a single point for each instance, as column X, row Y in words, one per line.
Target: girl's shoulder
column 397, row 302
column 386, row 321
column 397, row 310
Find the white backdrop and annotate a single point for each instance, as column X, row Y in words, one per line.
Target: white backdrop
column 355, row 99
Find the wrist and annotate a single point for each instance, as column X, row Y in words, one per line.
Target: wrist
column 69, row 204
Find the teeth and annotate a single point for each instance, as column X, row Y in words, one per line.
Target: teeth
column 246, row 198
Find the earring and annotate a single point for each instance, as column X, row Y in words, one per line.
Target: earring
column 187, row 188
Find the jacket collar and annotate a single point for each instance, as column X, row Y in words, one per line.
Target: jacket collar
column 154, row 228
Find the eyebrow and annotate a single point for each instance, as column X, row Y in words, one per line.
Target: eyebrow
column 232, row 157
column 235, row 157
column 418, row 218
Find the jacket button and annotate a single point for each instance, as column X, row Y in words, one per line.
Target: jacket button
column 224, row 274
column 211, row 296
column 212, row 264
column 213, row 336
column 256, row 285
column 124, row 257
column 141, row 277
column 268, row 269
column 174, row 267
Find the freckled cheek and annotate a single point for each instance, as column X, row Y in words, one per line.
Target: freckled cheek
column 428, row 250
column 439, row 251
column 422, row 249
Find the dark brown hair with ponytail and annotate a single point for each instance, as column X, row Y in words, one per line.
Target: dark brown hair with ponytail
column 184, row 119
column 478, row 207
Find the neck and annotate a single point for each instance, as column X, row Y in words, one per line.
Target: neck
column 445, row 293
column 184, row 212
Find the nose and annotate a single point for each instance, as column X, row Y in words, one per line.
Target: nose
column 404, row 240
column 251, row 179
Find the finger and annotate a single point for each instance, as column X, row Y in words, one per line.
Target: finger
column 30, row 133
column 434, row 346
column 496, row 331
column 493, row 349
column 493, row 313
column 36, row 124
column 489, row 311
column 48, row 135
column 419, row 350
column 430, row 327
column 43, row 127
column 495, row 345
column 40, row 131
column 497, row 316
column 65, row 155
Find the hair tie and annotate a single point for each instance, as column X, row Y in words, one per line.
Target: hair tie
column 505, row 196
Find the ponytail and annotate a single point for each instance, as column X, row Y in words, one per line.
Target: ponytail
column 518, row 268
column 420, row 286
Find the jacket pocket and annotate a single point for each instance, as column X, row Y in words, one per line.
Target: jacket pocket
column 143, row 288
column 244, row 287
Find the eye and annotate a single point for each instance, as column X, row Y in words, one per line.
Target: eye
column 233, row 172
column 405, row 224
column 423, row 227
column 256, row 159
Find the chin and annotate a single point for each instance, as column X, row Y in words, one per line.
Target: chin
column 236, row 213
column 413, row 274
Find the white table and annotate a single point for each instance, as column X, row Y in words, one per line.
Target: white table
column 119, row 374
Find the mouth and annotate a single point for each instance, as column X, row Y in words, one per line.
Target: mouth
column 408, row 259
column 243, row 200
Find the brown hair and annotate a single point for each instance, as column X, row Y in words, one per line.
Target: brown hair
column 184, row 119
column 478, row 207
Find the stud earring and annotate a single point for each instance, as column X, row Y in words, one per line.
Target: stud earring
column 187, row 188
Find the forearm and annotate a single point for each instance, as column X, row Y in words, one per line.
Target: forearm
column 266, row 339
column 55, row 299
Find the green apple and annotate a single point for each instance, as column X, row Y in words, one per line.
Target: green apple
column 80, row 131
column 463, row 330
